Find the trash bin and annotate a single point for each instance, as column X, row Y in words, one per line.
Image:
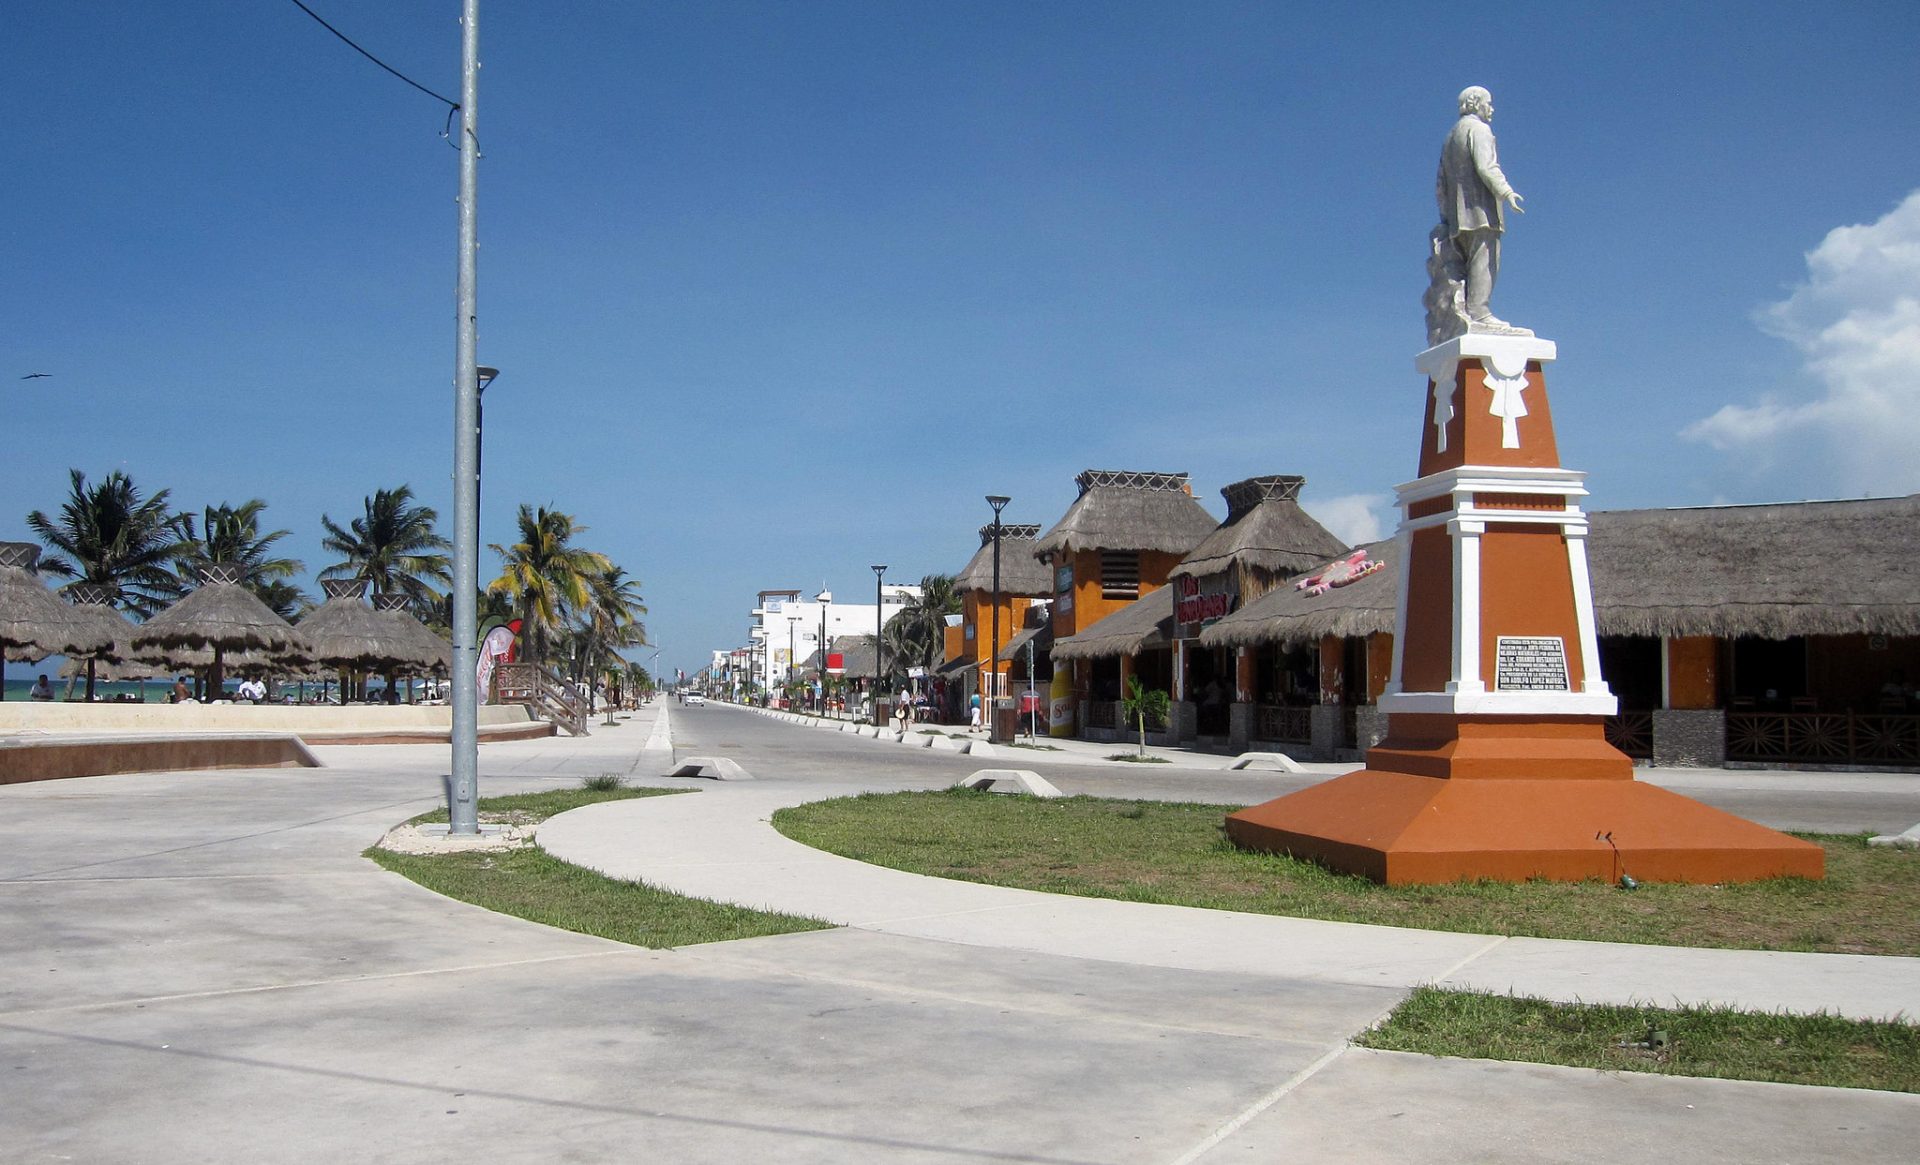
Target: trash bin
column 1006, row 721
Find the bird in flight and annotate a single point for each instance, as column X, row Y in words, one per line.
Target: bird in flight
column 35, row 375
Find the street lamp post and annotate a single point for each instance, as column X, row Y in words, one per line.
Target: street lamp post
column 483, row 376
column 786, row 681
column 879, row 624
column 998, row 502
column 823, row 598
column 463, row 784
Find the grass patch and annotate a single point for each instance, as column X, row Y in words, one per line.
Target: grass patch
column 529, row 883
column 604, row 783
column 1685, row 1041
column 532, row 808
column 1034, row 747
column 1137, row 759
column 1153, row 851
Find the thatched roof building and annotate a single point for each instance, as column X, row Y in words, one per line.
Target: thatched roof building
column 1773, row 571
column 1128, row 510
column 1021, row 574
column 856, row 653
column 1289, row 616
column 1037, row 631
column 1265, row 530
column 1146, row 622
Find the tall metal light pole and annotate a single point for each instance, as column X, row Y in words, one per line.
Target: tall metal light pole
column 823, row 598
column 998, row 502
column 463, row 789
column 879, row 625
column 786, row 681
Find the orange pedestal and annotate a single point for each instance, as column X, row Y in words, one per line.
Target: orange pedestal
column 1496, row 763
column 1400, row 829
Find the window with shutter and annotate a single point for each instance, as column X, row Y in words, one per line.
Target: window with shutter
column 1119, row 574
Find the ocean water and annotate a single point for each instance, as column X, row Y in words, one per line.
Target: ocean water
column 20, row 679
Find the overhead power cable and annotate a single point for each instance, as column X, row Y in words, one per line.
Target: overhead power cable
column 348, row 41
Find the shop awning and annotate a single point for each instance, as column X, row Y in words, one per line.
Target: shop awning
column 1142, row 624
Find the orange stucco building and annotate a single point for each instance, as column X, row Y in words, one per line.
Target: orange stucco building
column 1117, row 543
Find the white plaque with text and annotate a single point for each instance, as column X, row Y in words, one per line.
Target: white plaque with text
column 1531, row 663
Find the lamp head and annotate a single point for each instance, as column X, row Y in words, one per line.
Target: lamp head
column 998, row 502
column 879, row 570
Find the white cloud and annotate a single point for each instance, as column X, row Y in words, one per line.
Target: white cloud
column 1353, row 518
column 1856, row 323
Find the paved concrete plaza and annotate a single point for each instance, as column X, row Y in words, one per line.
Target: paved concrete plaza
column 201, row 967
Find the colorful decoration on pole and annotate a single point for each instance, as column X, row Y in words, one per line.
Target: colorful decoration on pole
column 497, row 646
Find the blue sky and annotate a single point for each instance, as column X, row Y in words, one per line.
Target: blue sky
column 780, row 290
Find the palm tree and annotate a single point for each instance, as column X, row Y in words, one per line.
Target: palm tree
column 638, row 681
column 610, row 622
column 394, row 547
column 1142, row 704
column 916, row 637
column 109, row 535
column 438, row 614
column 547, row 576
column 231, row 534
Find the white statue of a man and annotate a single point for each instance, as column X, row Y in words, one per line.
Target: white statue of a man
column 1473, row 195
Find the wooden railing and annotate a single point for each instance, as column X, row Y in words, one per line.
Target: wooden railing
column 1287, row 723
column 540, row 689
column 1824, row 737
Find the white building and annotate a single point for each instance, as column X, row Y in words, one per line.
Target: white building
column 787, row 625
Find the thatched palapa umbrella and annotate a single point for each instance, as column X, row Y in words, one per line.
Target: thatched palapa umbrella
column 345, row 632
column 221, row 617
column 94, row 602
column 33, row 623
column 427, row 653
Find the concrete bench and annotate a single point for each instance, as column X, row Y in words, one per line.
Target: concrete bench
column 1028, row 780
column 1275, row 762
column 718, row 768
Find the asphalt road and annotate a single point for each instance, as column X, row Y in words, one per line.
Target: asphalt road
column 1819, row 802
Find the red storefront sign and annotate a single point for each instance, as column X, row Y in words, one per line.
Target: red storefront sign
column 1194, row 606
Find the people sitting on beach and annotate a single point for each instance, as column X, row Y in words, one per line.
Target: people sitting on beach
column 181, row 693
column 41, row 690
column 251, row 691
